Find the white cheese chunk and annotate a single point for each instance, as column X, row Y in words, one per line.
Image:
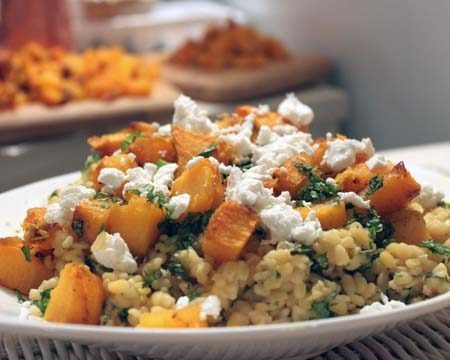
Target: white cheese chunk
column 262, row 109
column 164, row 175
column 178, row 205
column 69, row 197
column 354, row 199
column 295, row 111
column 377, row 161
column 210, row 307
column 165, row 130
column 385, row 305
column 429, row 197
column 342, row 153
column 241, row 140
column 112, row 251
column 188, row 115
column 112, row 178
column 182, row 302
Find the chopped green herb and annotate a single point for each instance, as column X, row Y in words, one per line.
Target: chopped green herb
column 155, row 197
column 317, row 189
column 444, row 204
column 100, row 195
column 150, row 278
column 43, row 302
column 436, row 248
column 123, row 315
column 101, row 228
column 208, row 152
column 77, row 226
column 20, row 298
column 129, row 140
column 177, row 269
column 194, row 295
column 245, row 164
column 92, row 158
column 322, row 308
column 301, row 249
column 374, row 184
column 319, row 263
column 26, row 252
column 160, row 163
column 95, row 267
column 54, row 193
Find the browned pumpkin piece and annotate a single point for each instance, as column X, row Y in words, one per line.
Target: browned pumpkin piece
column 37, row 233
column 290, row 178
column 228, row 231
column 137, row 222
column 227, row 120
column 331, row 215
column 188, row 317
column 355, row 178
column 120, row 161
column 93, row 214
column 202, row 181
column 143, row 127
column 78, row 298
column 322, row 147
column 109, row 143
column 149, row 148
column 398, row 189
column 409, row 226
column 18, row 273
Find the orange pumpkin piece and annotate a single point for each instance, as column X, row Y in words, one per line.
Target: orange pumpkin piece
column 409, row 226
column 149, row 148
column 228, row 231
column 78, row 298
column 37, row 233
column 355, row 178
column 93, row 214
column 203, row 182
column 109, row 143
column 143, row 127
column 289, row 177
column 330, row 215
column 120, row 161
column 398, row 189
column 137, row 222
column 188, row 317
column 18, row 273
column 322, row 147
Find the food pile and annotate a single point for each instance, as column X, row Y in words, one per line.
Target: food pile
column 52, row 76
column 241, row 220
column 231, row 46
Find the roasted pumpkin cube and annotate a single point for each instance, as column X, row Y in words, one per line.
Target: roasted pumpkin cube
column 409, row 226
column 20, row 269
column 149, row 148
column 109, row 143
column 143, row 127
column 228, row 231
column 37, row 233
column 89, row 217
column 137, row 222
column 203, row 183
column 120, row 161
column 398, row 189
column 188, row 317
column 331, row 215
column 289, row 177
column 77, row 298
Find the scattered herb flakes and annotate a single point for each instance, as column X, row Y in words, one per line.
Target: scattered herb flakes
column 19, row 295
column 26, row 252
column 129, row 140
column 43, row 302
column 444, row 204
column 208, row 152
column 100, row 195
column 301, row 249
column 150, row 278
column 95, row 267
column 317, row 189
column 91, row 159
column 101, row 228
column 435, row 247
column 77, row 226
column 319, row 263
column 160, row 163
column 245, row 164
column 177, row 269
column 322, row 308
column 193, row 295
column 374, row 184
column 155, row 197
column 123, row 315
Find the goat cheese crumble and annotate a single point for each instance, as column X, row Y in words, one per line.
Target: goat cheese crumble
column 342, row 153
column 178, row 205
column 295, row 111
column 354, row 199
column 112, row 178
column 384, row 305
column 377, row 161
column 429, row 196
column 188, row 115
column 210, row 307
column 69, row 197
column 112, row 251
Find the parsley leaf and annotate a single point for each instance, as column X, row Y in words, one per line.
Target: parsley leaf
column 208, row 152
column 148, row 280
column 77, row 226
column 123, row 315
column 177, row 269
column 155, row 197
column 194, row 295
column 245, row 164
column 436, row 248
column 100, row 195
column 92, row 158
column 317, row 189
column 160, row 163
column 129, row 140
column 321, row 308
column 444, row 204
column 301, row 249
column 26, row 252
column 319, row 264
column 374, row 184
column 43, row 302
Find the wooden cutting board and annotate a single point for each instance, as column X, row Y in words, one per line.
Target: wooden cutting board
column 36, row 119
column 239, row 84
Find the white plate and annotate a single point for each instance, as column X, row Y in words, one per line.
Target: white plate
column 262, row 342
